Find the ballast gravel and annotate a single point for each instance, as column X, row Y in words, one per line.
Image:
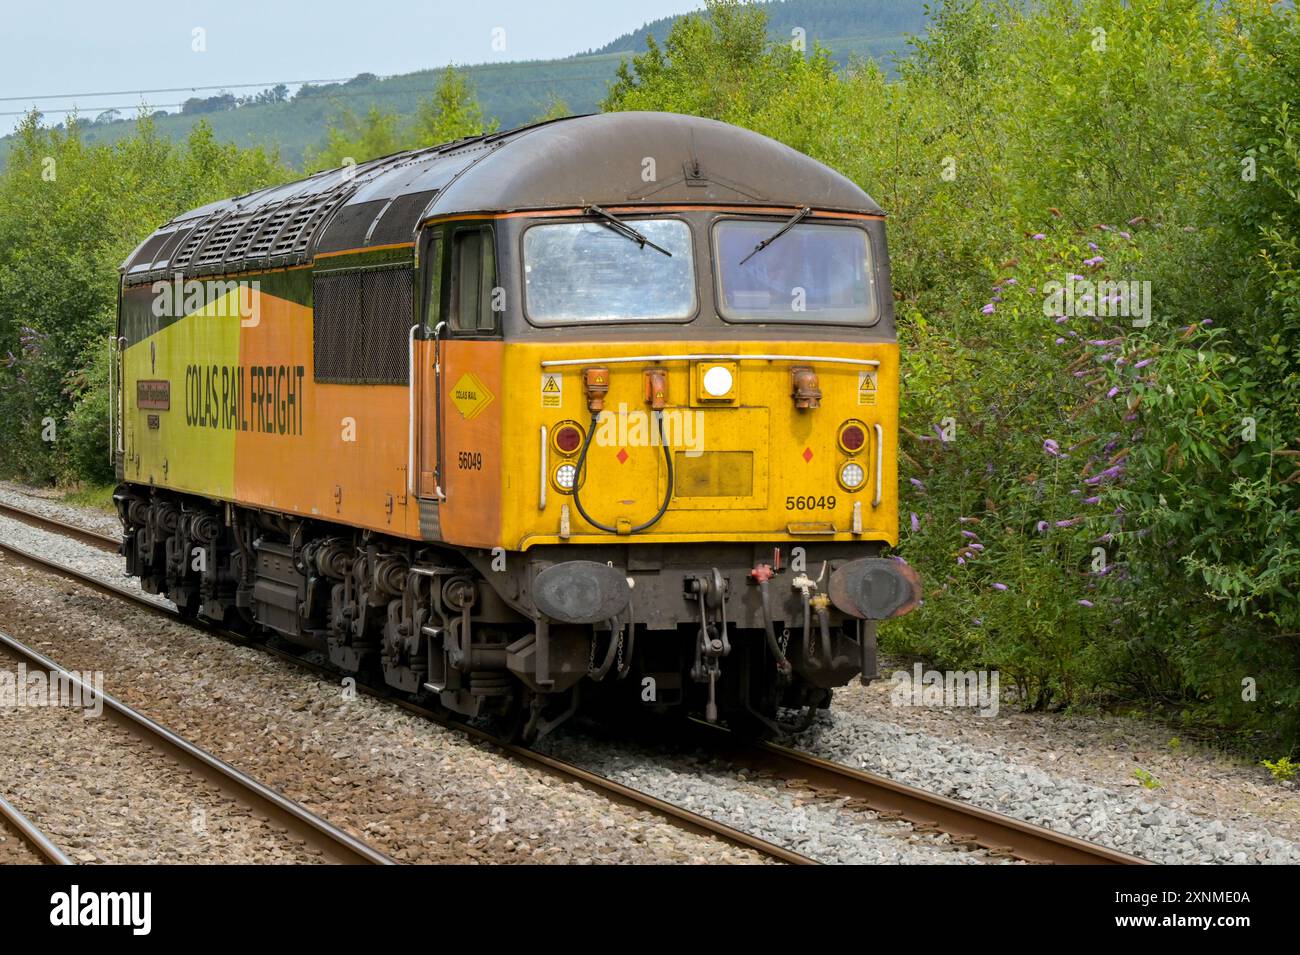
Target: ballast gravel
column 104, row 796
column 995, row 773
column 404, row 785
column 1075, row 774
column 14, row 849
column 42, row 502
column 822, row 829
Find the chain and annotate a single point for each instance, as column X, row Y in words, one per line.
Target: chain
column 591, row 660
column 620, row 651
column 785, row 641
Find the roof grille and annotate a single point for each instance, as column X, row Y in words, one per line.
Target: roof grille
column 182, row 258
column 239, row 244
column 267, row 234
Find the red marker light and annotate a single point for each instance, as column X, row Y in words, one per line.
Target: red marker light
column 567, row 439
column 852, row 436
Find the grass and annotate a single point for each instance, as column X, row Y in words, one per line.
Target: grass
column 97, row 496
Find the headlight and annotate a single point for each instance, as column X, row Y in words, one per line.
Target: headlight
column 852, row 476
column 718, row 381
column 565, row 476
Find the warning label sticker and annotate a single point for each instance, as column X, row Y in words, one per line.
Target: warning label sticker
column 552, row 390
column 866, row 387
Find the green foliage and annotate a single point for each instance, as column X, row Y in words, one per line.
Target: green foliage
column 1090, row 517
column 451, row 112
column 69, row 215
column 355, row 139
column 1283, row 770
column 1104, row 511
column 1147, row 780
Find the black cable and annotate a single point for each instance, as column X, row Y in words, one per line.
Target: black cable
column 577, row 480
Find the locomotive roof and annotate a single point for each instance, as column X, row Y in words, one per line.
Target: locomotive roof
column 600, row 159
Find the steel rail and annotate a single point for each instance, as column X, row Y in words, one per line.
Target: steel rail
column 614, row 791
column 37, row 839
column 85, row 536
column 965, row 823
column 333, row 843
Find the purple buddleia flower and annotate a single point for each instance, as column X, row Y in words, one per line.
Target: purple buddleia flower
column 1092, row 500
column 1039, row 237
column 1112, row 393
column 1052, row 448
column 1095, row 261
column 1094, row 246
column 1069, row 522
column 1143, row 363
column 961, row 561
column 1042, row 526
column 1085, row 603
column 917, row 484
column 989, row 309
column 1060, row 341
column 916, row 523
column 970, row 535
column 999, row 586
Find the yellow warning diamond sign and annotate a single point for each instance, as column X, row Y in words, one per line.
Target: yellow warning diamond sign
column 866, row 387
column 470, row 396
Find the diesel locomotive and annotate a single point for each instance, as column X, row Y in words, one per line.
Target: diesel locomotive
column 595, row 414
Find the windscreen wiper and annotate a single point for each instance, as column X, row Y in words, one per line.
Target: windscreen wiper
column 794, row 220
column 623, row 229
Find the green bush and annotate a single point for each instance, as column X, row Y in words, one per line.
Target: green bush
column 1089, row 515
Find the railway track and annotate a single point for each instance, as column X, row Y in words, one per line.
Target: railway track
column 569, row 772
column 41, row 843
column 94, row 539
column 966, row 824
column 333, row 843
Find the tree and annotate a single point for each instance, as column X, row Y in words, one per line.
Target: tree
column 452, row 112
column 356, row 139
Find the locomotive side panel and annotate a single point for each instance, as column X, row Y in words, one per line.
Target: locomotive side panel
column 223, row 402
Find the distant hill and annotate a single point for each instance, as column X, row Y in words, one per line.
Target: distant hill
column 516, row 92
column 874, row 28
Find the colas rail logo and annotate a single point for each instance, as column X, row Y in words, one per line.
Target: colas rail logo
column 470, row 396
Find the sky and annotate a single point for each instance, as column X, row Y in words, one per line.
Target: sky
column 57, row 47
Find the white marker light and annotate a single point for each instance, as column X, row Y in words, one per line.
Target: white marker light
column 565, row 475
column 718, row 381
column 852, row 476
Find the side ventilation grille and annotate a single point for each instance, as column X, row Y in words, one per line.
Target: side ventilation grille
column 361, row 322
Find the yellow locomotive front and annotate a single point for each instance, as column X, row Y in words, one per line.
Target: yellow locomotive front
column 679, row 458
